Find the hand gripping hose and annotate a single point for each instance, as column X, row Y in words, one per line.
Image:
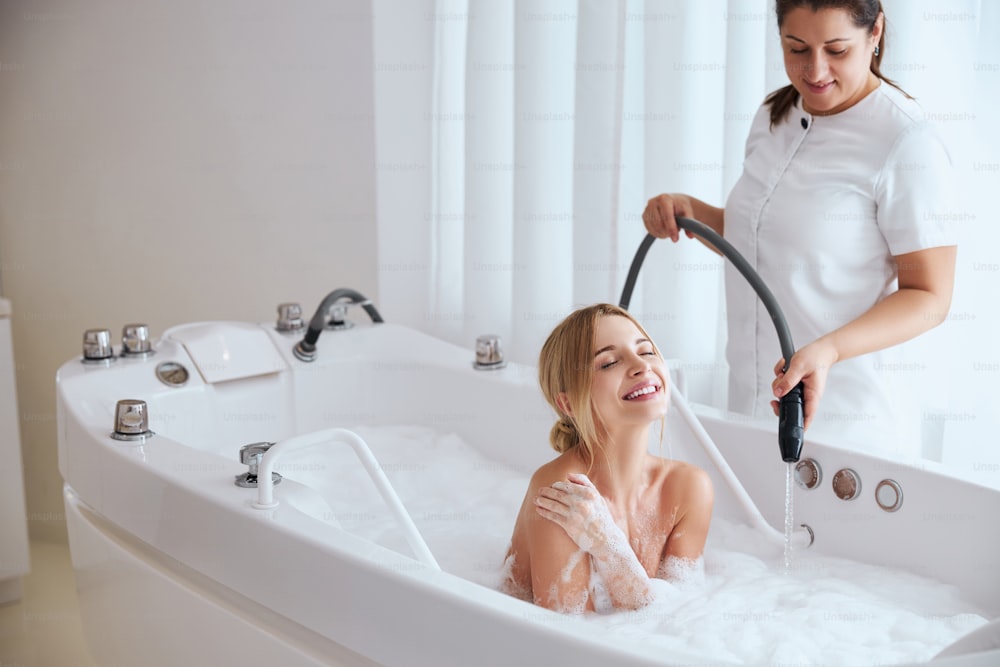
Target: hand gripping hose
column 791, row 410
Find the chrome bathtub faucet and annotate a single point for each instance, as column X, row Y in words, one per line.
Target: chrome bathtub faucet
column 289, row 318
column 489, row 353
column 131, row 421
column 135, row 341
column 251, row 455
column 97, row 346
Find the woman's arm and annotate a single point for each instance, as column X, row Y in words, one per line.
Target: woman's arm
column 560, row 571
column 689, row 489
column 926, row 280
column 577, row 509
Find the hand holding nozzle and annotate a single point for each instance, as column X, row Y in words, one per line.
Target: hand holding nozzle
column 798, row 386
column 791, row 424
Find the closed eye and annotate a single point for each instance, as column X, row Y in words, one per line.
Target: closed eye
column 832, row 53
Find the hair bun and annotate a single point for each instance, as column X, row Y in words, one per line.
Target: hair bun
column 563, row 435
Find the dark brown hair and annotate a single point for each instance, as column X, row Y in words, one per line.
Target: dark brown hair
column 863, row 13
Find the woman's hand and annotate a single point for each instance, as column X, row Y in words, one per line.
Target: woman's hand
column 810, row 365
column 579, row 508
column 660, row 216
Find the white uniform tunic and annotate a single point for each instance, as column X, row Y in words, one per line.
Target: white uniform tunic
column 822, row 206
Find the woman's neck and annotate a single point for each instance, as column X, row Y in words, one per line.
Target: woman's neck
column 619, row 466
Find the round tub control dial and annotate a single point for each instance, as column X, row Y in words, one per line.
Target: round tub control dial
column 172, row 373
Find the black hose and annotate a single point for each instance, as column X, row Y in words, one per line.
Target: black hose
column 633, row 271
column 791, row 412
column 740, row 262
column 305, row 349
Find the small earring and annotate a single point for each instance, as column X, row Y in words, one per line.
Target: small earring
column 876, row 50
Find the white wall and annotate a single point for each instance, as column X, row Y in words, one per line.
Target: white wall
column 173, row 162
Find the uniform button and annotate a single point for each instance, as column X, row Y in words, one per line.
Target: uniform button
column 805, row 124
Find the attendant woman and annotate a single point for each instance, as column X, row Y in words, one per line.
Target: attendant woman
column 843, row 208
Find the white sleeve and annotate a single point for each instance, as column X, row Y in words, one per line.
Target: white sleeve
column 915, row 193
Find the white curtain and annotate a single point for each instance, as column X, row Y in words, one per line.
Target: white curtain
column 947, row 55
column 518, row 142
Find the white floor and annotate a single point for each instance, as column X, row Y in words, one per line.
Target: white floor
column 43, row 629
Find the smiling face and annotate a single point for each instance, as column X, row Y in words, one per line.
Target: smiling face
column 630, row 383
column 828, row 58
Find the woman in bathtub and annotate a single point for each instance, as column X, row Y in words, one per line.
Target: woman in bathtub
column 605, row 516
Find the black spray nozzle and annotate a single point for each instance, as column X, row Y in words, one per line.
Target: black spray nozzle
column 791, row 424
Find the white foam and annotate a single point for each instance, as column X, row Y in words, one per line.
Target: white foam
column 684, row 572
column 825, row 610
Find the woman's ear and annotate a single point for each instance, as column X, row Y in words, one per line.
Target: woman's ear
column 878, row 27
column 562, row 400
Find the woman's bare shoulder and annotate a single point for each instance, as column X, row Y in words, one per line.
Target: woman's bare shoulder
column 557, row 469
column 549, row 473
column 683, row 478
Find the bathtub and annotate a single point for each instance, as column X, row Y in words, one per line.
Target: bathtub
column 175, row 564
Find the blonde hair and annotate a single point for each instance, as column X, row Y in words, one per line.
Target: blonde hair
column 566, row 366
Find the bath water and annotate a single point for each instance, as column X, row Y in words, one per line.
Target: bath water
column 749, row 606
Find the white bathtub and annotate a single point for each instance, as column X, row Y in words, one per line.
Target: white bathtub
column 174, row 565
